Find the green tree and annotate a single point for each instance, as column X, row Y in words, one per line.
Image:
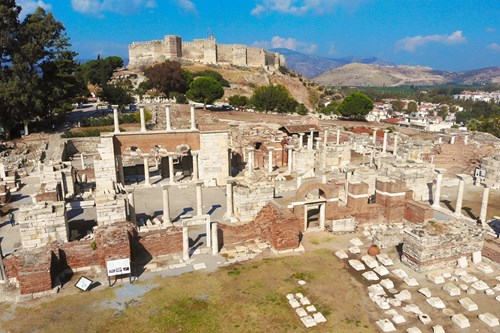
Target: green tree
column 205, row 90
column 355, row 106
column 330, row 108
column 301, row 109
column 37, row 66
column 216, row 75
column 397, row 105
column 443, row 112
column 412, row 107
column 116, row 94
column 167, row 77
column 99, row 71
column 275, row 98
column 238, row 100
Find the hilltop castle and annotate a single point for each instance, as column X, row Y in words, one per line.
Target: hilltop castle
column 205, row 51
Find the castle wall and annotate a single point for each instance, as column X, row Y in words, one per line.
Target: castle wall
column 201, row 50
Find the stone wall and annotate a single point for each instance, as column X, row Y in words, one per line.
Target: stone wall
column 391, row 195
column 492, row 166
column 42, row 223
column 277, row 225
column 213, row 160
column 417, row 212
column 110, row 209
column 201, row 50
column 418, row 176
column 161, row 242
column 436, row 245
column 249, row 199
column 104, row 166
column 303, row 160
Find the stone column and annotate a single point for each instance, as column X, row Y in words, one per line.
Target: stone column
column 168, row 124
column 3, row 276
column 147, row 180
column 83, row 161
column 199, row 198
column 299, row 180
column 466, row 140
column 229, row 199
column 193, row 121
column 250, row 157
column 437, row 191
column 440, row 140
column 270, row 162
column 374, row 138
column 185, row 243
column 131, row 204
column 215, row 239
column 325, row 140
column 119, row 166
column 3, row 173
column 384, row 147
column 310, row 141
column 143, row 120
column 322, row 217
column 452, row 140
column 115, row 120
column 484, row 202
column 166, row 204
column 460, row 195
column 290, row 158
column 395, row 149
column 171, row 173
column 324, row 178
column 338, row 135
column 195, row 164
column 301, row 140
column 372, row 156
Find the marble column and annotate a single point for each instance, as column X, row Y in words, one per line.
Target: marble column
column 460, row 195
column 199, row 198
column 374, row 138
column 322, row 217
column 484, row 202
column 131, row 208
column 384, row 147
column 395, row 149
column 168, row 123
column 195, row 164
column 440, row 140
column 324, row 178
column 115, row 120
column 372, row 156
column 208, row 233
column 147, row 180
column 338, row 135
column 185, row 243
column 437, row 191
column 143, row 120
column 215, row 239
column 325, row 139
column 166, row 204
column 310, row 142
column 250, row 160
column 270, row 161
column 452, row 140
column 299, row 180
column 290, row 159
column 171, row 173
column 229, row 199
column 193, row 121
column 82, row 159
column 466, row 140
column 301, row 140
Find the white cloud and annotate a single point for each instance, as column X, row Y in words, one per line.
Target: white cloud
column 29, row 6
column 494, row 46
column 187, row 5
column 124, row 7
column 288, row 43
column 299, row 7
column 412, row 43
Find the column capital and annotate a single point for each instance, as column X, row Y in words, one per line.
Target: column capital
column 144, row 155
column 461, row 176
column 250, row 148
column 230, row 180
column 486, row 184
column 385, row 130
column 199, row 182
column 440, row 171
column 270, row 148
column 195, row 152
column 172, row 154
column 164, row 186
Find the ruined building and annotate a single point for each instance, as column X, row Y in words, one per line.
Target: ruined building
column 205, row 51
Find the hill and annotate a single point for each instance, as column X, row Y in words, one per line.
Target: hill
column 311, row 65
column 356, row 74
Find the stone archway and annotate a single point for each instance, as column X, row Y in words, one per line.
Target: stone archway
column 314, row 198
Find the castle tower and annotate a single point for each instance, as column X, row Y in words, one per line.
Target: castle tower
column 172, row 47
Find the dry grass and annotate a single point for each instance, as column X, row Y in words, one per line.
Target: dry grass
column 242, row 298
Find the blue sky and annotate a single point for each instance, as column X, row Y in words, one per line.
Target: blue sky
column 442, row 34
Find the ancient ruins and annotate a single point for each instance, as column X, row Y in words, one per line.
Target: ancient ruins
column 188, row 183
column 205, row 51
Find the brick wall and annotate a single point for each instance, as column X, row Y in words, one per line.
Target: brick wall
column 78, row 254
column 278, row 226
column 417, row 212
column 160, row 242
column 114, row 241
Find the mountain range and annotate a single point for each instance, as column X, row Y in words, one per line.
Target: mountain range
column 371, row 71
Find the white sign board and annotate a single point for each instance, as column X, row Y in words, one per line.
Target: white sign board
column 83, row 283
column 118, row 267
